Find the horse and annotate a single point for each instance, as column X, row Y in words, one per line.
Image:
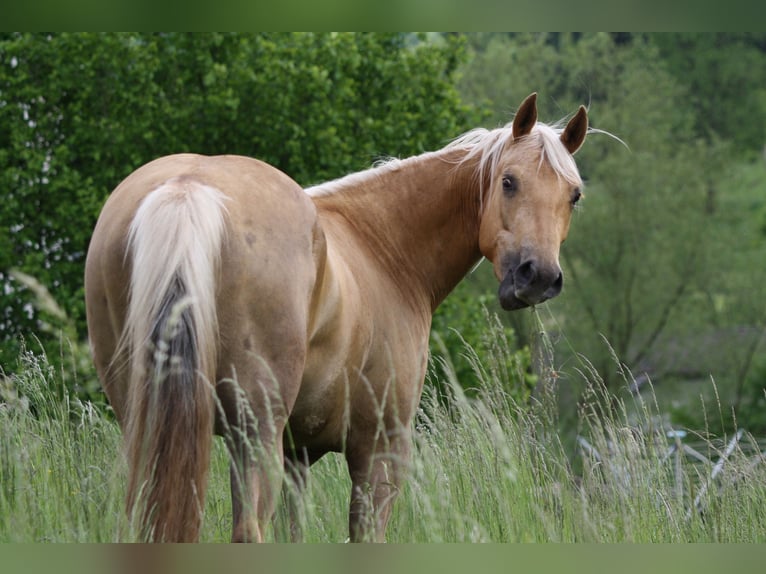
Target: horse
column 223, row 298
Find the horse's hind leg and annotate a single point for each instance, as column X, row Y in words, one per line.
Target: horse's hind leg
column 255, row 402
column 252, row 497
column 252, row 446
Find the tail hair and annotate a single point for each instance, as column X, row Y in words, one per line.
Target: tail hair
column 171, row 333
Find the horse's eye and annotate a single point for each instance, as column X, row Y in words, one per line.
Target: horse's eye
column 576, row 195
column 510, row 184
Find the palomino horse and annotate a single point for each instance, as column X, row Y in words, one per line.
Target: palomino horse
column 222, row 297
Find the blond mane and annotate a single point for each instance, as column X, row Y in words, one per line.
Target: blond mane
column 486, row 145
column 379, row 169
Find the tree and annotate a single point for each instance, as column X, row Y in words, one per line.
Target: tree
column 726, row 78
column 78, row 112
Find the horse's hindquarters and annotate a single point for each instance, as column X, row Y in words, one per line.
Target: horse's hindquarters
column 261, row 271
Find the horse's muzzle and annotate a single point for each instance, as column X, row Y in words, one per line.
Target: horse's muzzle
column 529, row 283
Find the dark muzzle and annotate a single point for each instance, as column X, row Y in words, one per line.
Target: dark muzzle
column 529, row 283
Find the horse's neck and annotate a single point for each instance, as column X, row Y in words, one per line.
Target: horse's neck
column 419, row 218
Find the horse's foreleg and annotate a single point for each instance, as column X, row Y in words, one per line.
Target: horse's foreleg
column 376, row 479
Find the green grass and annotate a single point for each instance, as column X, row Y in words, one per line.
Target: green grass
column 484, row 470
column 60, row 473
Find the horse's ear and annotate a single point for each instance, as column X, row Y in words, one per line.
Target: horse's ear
column 526, row 117
column 573, row 135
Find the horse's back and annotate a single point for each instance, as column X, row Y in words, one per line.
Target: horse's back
column 256, row 193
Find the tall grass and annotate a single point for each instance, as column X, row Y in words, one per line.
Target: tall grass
column 59, row 466
column 484, row 469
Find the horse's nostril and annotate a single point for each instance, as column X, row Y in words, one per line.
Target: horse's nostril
column 556, row 287
column 525, row 274
column 559, row 282
column 534, row 283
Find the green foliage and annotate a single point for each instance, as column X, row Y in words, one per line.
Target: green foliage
column 722, row 73
column 509, row 67
column 472, row 344
column 724, row 409
column 639, row 248
column 79, row 112
column 752, row 412
column 726, row 77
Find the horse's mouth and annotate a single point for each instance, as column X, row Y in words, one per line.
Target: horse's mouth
column 509, row 301
column 513, row 296
column 506, row 294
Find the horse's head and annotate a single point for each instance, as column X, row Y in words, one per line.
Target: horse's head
column 533, row 188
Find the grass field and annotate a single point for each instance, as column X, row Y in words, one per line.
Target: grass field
column 484, row 470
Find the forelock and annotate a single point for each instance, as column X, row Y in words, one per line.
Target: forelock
column 488, row 145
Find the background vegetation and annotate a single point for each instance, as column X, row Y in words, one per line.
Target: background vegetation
column 664, row 265
column 79, row 112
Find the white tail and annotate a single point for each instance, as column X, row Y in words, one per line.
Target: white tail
column 171, row 331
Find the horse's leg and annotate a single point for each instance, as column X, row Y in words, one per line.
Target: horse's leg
column 255, row 404
column 255, row 471
column 376, row 477
column 252, row 498
column 265, row 361
column 254, row 485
